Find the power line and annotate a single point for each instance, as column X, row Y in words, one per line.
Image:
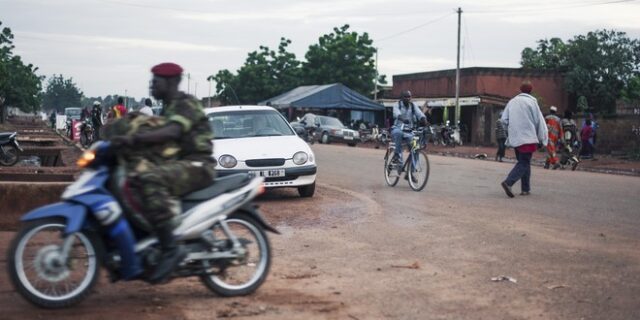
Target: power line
column 539, row 9
column 416, row 27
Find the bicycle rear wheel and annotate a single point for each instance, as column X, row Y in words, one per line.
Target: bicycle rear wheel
column 391, row 175
column 418, row 170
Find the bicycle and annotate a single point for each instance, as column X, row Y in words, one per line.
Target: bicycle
column 416, row 166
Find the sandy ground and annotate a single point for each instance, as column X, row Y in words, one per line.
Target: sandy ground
column 362, row 250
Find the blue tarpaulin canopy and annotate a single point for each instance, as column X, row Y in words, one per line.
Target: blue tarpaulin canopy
column 328, row 96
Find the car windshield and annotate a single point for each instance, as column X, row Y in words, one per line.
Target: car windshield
column 329, row 121
column 246, row 124
column 73, row 113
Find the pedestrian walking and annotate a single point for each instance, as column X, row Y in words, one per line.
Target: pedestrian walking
column 586, row 135
column 501, row 138
column 554, row 129
column 53, row 119
column 526, row 129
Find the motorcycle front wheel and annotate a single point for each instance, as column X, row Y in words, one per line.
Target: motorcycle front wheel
column 39, row 271
column 10, row 155
column 244, row 274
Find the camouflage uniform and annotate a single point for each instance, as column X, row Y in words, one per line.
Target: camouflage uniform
column 161, row 183
column 159, row 174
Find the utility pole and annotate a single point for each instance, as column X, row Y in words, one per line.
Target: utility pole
column 209, row 97
column 457, row 113
column 125, row 99
column 375, row 88
column 188, row 82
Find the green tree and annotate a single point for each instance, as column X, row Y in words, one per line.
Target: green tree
column 342, row 56
column 19, row 85
column 599, row 65
column 61, row 93
column 264, row 74
column 632, row 91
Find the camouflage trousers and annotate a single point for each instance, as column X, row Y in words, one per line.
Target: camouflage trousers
column 159, row 187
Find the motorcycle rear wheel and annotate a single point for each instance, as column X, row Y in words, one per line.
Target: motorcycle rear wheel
column 10, row 156
column 254, row 266
column 37, row 273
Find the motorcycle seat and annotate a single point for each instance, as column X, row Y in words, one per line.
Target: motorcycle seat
column 220, row 185
column 6, row 135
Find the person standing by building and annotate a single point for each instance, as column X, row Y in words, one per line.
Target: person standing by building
column 501, row 138
column 556, row 135
column 586, row 135
column 526, row 129
column 146, row 108
column 96, row 119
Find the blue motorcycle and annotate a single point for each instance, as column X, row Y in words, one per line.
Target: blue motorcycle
column 55, row 258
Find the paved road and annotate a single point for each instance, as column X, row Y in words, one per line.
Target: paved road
column 362, row 250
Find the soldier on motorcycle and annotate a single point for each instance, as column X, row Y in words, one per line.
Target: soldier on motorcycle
column 159, row 185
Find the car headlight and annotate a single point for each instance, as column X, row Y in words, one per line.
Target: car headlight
column 300, row 157
column 227, row 161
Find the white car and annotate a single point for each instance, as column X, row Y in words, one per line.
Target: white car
column 259, row 140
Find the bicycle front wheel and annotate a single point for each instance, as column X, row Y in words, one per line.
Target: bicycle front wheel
column 391, row 175
column 418, row 170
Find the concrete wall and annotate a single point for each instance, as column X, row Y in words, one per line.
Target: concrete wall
column 17, row 198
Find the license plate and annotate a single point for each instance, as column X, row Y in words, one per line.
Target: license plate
column 348, row 138
column 269, row 173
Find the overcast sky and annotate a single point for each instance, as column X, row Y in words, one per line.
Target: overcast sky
column 108, row 46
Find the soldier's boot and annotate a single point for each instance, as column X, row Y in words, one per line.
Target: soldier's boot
column 172, row 254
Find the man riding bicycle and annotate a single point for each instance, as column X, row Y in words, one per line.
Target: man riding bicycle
column 406, row 114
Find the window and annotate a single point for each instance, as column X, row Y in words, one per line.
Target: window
column 246, row 124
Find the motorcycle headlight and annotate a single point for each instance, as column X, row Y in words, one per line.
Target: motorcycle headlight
column 300, row 157
column 86, row 158
column 227, row 161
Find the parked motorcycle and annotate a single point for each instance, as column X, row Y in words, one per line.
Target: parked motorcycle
column 55, row 258
column 9, row 148
column 451, row 135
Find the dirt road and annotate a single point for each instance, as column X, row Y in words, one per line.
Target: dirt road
column 361, row 250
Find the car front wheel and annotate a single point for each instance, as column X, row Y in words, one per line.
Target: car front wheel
column 325, row 138
column 307, row 191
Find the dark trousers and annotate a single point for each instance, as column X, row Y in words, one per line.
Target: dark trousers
column 501, row 147
column 521, row 171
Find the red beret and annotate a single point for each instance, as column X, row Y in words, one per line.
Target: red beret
column 167, row 69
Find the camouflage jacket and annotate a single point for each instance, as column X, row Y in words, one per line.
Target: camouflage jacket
column 137, row 158
column 195, row 142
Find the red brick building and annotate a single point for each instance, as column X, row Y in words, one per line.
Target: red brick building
column 487, row 91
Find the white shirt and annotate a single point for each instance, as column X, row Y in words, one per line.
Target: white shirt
column 146, row 110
